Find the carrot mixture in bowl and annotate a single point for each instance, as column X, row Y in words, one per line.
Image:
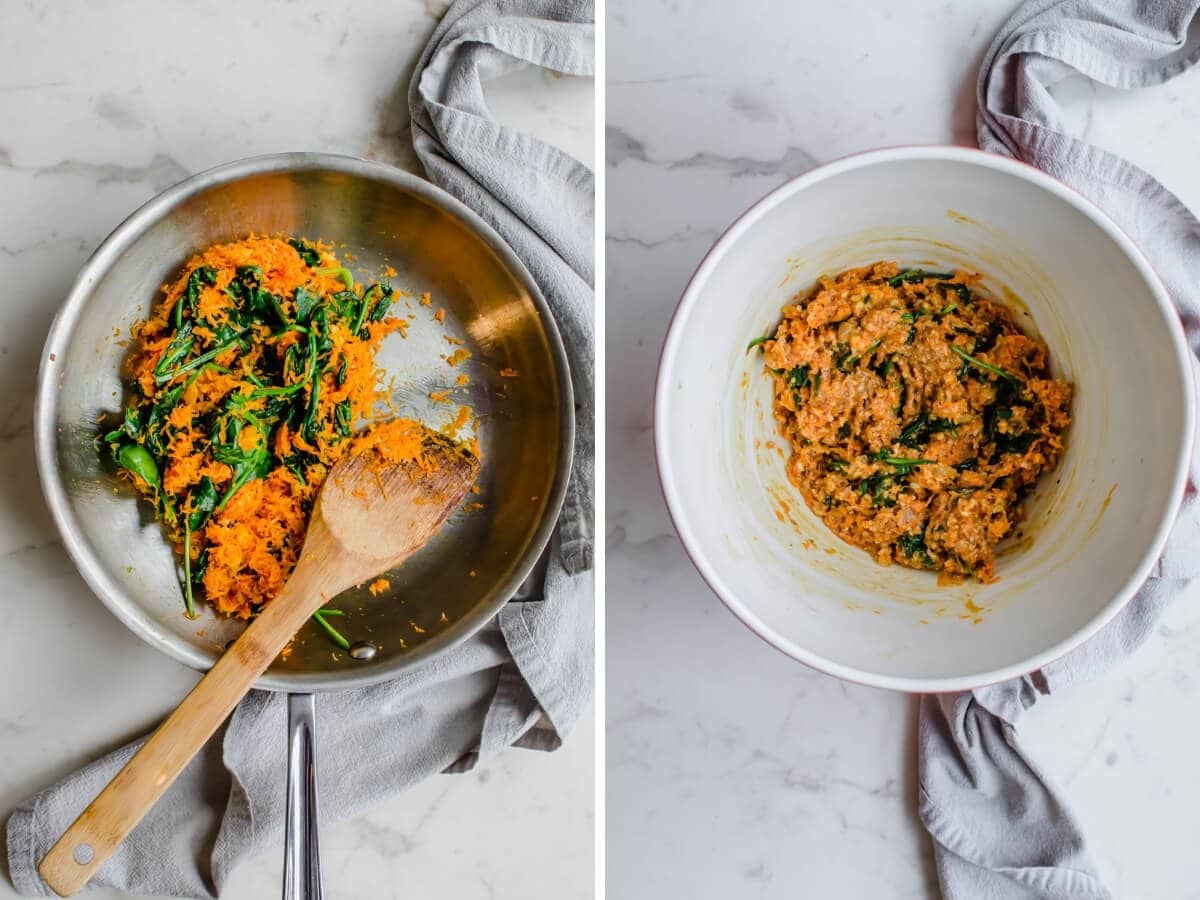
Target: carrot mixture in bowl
column 252, row 377
column 919, row 415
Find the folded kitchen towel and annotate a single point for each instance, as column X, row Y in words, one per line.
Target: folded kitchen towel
column 1001, row 829
column 523, row 680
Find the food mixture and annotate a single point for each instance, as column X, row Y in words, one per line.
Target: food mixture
column 918, row 413
column 253, row 376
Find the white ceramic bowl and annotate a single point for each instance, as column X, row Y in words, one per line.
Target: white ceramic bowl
column 1094, row 527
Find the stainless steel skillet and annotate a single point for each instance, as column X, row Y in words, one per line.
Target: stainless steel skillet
column 381, row 217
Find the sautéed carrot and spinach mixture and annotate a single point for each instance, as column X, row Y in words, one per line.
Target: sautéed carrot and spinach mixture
column 249, row 381
column 919, row 414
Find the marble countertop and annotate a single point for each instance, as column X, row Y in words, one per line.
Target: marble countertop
column 731, row 770
column 103, row 106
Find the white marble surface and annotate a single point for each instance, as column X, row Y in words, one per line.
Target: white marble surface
column 101, row 106
column 732, row 771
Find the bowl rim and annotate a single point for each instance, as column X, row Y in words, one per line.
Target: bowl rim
column 123, row 236
column 672, row 492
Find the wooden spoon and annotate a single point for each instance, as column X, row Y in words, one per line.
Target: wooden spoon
column 369, row 517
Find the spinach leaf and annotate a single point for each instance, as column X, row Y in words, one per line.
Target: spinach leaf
column 130, row 427
column 306, row 302
column 797, row 377
column 256, row 304
column 308, row 253
column 248, row 462
column 177, row 348
column 346, row 305
column 309, row 426
column 289, row 361
column 376, row 314
column 227, row 444
column 911, row 435
column 319, row 325
column 758, row 340
column 382, row 305
column 225, row 333
column 189, row 602
column 919, row 431
column 343, row 418
column 201, row 360
column 297, row 463
column 246, row 280
column 914, row 545
column 158, row 417
column 204, row 501
column 166, row 402
column 903, row 464
column 258, row 466
column 876, row 485
column 1013, row 443
column 984, row 366
column 987, row 340
column 200, row 276
column 200, row 567
column 908, row 276
column 272, row 306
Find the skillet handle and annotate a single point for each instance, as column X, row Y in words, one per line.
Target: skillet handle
column 117, row 809
column 301, row 860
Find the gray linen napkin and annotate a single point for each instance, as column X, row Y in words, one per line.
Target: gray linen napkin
column 1001, row 829
column 524, row 679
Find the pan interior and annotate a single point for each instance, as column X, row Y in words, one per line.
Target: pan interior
column 476, row 562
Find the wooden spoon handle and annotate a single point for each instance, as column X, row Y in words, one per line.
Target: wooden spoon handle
column 109, row 818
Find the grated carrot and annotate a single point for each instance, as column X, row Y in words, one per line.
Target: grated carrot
column 460, row 421
column 247, row 548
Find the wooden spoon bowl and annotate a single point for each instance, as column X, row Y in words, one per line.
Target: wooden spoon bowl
column 370, row 515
